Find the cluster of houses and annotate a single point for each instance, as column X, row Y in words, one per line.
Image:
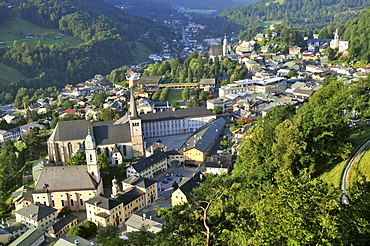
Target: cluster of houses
column 80, row 188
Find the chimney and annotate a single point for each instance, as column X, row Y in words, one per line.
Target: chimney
column 173, row 109
column 77, row 242
column 154, row 111
column 144, row 216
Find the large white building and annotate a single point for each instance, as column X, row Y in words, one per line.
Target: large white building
column 270, row 85
column 175, row 122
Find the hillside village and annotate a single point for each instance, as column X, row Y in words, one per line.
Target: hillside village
column 158, row 144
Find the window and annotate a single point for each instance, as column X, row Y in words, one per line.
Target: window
column 72, row 203
column 81, row 202
column 62, row 202
column 52, row 201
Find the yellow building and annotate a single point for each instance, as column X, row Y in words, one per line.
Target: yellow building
column 197, row 147
column 114, row 210
column 148, row 186
column 186, row 185
column 105, row 211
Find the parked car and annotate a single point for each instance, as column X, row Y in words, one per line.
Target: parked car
column 179, row 175
column 168, row 174
column 164, row 181
column 170, row 179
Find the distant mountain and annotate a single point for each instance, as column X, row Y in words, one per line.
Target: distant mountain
column 159, row 9
column 300, row 14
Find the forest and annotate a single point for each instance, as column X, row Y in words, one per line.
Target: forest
column 309, row 16
column 108, row 33
column 192, row 70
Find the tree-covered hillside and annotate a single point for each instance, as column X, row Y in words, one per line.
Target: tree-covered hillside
column 109, row 37
column 300, row 14
column 357, row 31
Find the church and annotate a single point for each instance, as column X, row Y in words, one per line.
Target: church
column 339, row 44
column 71, row 186
column 119, row 141
column 124, row 139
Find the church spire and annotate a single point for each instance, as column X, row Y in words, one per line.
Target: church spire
column 133, row 110
column 92, row 156
column 224, row 46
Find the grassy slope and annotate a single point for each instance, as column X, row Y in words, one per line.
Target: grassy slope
column 360, row 167
column 8, row 74
column 141, row 53
column 15, row 28
column 174, row 96
column 334, row 175
column 268, row 23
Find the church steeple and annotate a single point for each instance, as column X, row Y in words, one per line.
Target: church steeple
column 92, row 156
column 136, row 130
column 224, row 46
column 334, row 44
column 336, row 37
column 133, row 109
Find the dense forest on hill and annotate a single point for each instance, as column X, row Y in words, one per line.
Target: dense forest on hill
column 357, row 31
column 108, row 33
column 305, row 15
column 170, row 9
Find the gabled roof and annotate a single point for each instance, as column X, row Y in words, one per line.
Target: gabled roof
column 145, row 163
column 109, row 133
column 35, row 212
column 187, row 185
column 199, row 177
column 104, row 202
column 205, row 136
column 116, row 149
column 55, row 228
column 130, row 196
column 104, row 132
column 216, row 50
column 177, row 114
column 71, row 130
column 24, row 192
column 14, row 226
column 137, row 222
column 139, row 182
column 65, row 178
column 28, row 238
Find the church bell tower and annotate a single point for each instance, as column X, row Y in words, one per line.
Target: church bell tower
column 136, row 129
column 92, row 156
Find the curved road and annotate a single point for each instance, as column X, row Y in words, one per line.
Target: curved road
column 346, row 172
